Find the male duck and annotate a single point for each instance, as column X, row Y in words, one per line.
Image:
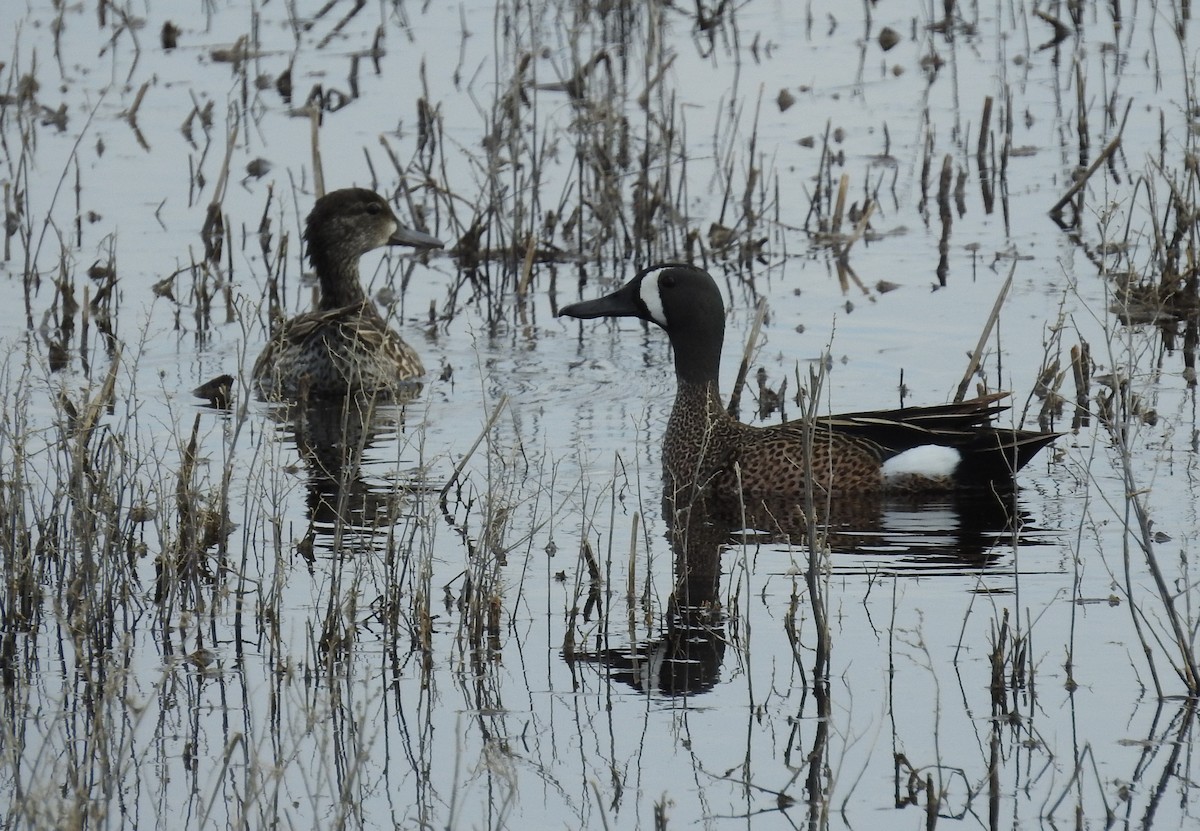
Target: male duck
column 343, row 346
column 852, row 454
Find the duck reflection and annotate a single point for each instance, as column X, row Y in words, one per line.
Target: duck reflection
column 949, row 533
column 338, row 441
column 686, row 659
column 965, row 533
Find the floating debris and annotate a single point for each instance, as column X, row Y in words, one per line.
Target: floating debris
column 258, row 168
column 169, row 36
column 888, row 37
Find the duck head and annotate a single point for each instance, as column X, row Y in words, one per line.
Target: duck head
column 352, row 221
column 344, row 225
column 684, row 301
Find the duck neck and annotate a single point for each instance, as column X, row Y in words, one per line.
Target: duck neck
column 698, row 411
column 697, row 418
column 697, row 357
column 697, row 435
column 339, row 281
column 700, row 397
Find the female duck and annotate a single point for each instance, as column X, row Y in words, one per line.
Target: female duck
column 910, row 450
column 344, row 346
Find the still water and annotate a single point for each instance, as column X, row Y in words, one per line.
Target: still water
column 486, row 636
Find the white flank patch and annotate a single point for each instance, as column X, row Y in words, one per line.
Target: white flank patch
column 932, row 460
column 652, row 297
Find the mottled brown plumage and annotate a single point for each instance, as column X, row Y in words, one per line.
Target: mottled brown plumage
column 344, row 346
column 705, row 450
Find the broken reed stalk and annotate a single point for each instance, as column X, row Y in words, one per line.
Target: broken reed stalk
column 631, row 580
column 1057, row 207
column 735, row 397
column 99, row 402
column 946, row 218
column 1081, row 368
column 1081, row 111
column 842, row 245
column 839, row 206
column 526, row 266
column 462, row 463
column 223, row 174
column 926, row 165
column 213, row 232
column 816, row 540
column 945, row 180
column 314, row 133
column 985, row 122
column 973, row 364
column 1006, row 147
column 854, row 236
column 131, row 114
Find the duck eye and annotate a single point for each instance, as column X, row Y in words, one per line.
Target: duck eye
column 667, row 281
column 374, row 208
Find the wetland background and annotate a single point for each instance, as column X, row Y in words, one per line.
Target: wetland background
column 463, row 618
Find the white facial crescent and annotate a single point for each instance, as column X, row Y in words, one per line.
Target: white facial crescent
column 652, row 297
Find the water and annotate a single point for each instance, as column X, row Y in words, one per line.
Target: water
column 455, row 663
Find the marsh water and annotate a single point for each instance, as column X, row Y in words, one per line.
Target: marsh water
column 458, row 610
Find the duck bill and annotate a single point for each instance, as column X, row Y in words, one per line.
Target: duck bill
column 414, row 239
column 621, row 303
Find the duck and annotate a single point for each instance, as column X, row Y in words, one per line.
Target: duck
column 343, row 346
column 706, row 451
